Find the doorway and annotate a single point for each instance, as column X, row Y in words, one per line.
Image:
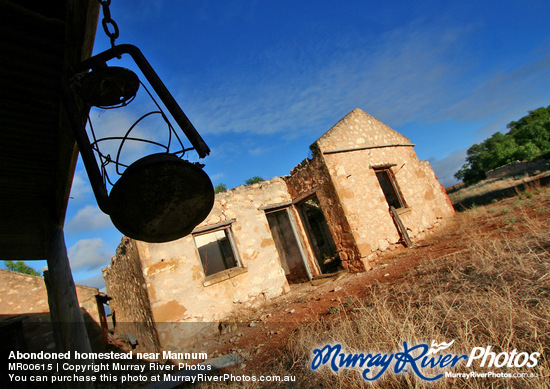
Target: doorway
column 319, row 236
column 288, row 246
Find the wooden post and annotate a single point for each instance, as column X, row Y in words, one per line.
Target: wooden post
column 63, row 300
column 54, row 319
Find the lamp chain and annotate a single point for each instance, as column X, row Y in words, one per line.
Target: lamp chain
column 108, row 21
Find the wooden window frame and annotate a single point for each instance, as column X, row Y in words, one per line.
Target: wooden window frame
column 226, row 273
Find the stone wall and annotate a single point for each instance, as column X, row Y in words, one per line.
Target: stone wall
column 178, row 288
column 130, row 306
column 518, row 168
column 23, row 294
column 351, row 149
column 311, row 177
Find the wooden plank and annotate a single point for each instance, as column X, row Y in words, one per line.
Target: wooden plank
column 401, row 227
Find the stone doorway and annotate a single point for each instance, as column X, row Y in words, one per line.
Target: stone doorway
column 319, row 235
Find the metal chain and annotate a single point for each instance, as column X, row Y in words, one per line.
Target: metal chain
column 108, row 21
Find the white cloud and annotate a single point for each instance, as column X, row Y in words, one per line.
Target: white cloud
column 446, row 168
column 89, row 254
column 116, row 123
column 227, row 151
column 112, row 128
column 424, row 73
column 96, row 281
column 80, row 189
column 89, row 218
column 519, row 90
column 216, row 177
column 259, row 151
column 395, row 77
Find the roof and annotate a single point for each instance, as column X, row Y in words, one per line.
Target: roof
column 40, row 39
column 359, row 129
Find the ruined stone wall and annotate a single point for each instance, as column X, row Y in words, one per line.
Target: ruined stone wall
column 313, row 175
column 24, row 294
column 351, row 149
column 517, row 168
column 182, row 295
column 130, row 302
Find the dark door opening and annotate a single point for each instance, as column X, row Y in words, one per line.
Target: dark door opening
column 319, row 235
column 287, row 245
column 390, row 188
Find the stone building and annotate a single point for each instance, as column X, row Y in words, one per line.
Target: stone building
column 363, row 191
column 25, row 313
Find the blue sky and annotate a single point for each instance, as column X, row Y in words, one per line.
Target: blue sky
column 262, row 80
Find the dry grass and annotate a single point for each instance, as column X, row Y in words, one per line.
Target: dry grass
column 494, row 290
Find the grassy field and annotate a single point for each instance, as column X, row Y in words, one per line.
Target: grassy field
column 481, row 280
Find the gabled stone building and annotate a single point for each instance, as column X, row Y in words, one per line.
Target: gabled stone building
column 362, row 191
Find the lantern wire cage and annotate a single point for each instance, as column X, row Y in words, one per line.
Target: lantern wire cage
column 159, row 196
column 105, row 159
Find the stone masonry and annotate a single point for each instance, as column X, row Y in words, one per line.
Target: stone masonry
column 26, row 296
column 331, row 213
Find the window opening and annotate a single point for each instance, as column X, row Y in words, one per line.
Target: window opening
column 390, row 189
column 216, row 250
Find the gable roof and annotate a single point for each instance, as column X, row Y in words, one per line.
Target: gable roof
column 359, row 129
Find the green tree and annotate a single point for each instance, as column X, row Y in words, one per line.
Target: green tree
column 533, row 128
column 527, row 139
column 472, row 171
column 219, row 188
column 254, row 180
column 527, row 151
column 498, row 150
column 20, row 267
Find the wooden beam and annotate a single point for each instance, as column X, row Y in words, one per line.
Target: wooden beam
column 401, row 228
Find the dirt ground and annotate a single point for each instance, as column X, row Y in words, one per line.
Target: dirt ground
column 268, row 328
column 258, row 334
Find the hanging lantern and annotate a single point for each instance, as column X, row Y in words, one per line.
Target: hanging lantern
column 161, row 196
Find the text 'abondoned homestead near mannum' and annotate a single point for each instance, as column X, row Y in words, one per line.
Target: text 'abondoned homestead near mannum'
column 362, row 191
